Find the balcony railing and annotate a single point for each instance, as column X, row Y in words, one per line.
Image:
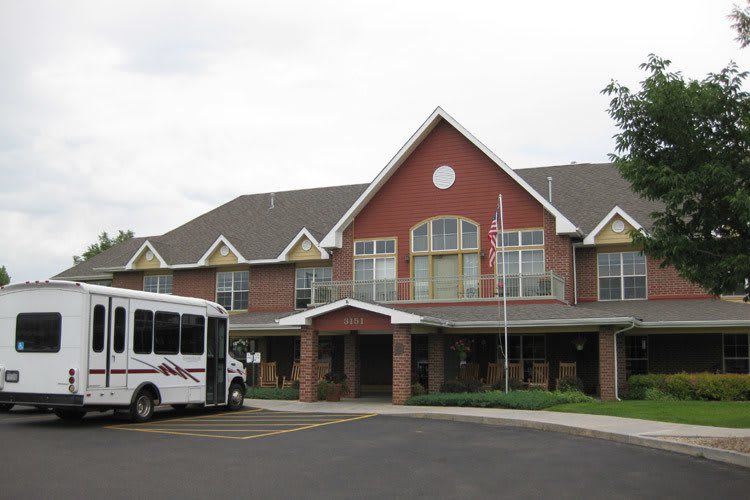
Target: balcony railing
column 448, row 289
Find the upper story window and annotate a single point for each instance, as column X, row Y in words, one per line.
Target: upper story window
column 375, row 268
column 232, row 289
column 158, row 284
column 305, row 277
column 622, row 275
column 525, row 238
column 445, row 234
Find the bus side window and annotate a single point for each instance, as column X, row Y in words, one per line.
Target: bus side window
column 166, row 333
column 143, row 331
column 97, row 337
column 191, row 334
column 119, row 340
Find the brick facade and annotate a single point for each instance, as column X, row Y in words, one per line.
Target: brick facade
column 129, row 280
column 342, row 259
column 558, row 254
column 436, row 362
column 272, row 288
column 352, row 363
column 200, row 283
column 308, row 366
column 401, row 364
column 607, row 363
column 667, row 283
column 586, row 274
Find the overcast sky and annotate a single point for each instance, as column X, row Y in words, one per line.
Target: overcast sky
column 143, row 115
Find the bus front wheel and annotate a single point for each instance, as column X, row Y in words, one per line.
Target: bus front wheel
column 236, row 397
column 142, row 408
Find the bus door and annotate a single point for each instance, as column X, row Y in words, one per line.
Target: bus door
column 118, row 343
column 98, row 335
column 216, row 361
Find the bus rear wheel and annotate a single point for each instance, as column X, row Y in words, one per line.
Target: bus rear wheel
column 6, row 406
column 236, row 397
column 142, row 408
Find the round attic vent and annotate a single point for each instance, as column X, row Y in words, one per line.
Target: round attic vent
column 224, row 250
column 443, row 177
column 149, row 256
column 618, row 226
column 306, row 245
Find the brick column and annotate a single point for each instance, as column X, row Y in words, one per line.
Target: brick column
column 607, row 363
column 308, row 365
column 351, row 363
column 401, row 364
column 436, row 362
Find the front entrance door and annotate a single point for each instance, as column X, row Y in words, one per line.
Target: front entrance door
column 98, row 334
column 445, row 276
column 376, row 364
column 216, row 361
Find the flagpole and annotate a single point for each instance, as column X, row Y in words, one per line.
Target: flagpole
column 501, row 241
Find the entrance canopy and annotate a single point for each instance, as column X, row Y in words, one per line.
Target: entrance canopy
column 351, row 314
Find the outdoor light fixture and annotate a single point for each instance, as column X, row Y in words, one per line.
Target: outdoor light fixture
column 579, row 342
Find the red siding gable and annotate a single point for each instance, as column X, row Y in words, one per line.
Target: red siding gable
column 409, row 196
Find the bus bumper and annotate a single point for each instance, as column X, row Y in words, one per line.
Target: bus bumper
column 43, row 400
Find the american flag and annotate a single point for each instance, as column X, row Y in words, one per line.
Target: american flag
column 492, row 236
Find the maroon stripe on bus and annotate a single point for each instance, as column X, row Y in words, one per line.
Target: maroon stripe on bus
column 96, row 371
column 118, row 371
column 143, row 370
column 196, row 370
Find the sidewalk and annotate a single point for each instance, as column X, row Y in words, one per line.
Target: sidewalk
column 625, row 430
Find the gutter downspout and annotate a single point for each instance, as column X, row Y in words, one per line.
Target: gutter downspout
column 617, row 397
column 575, row 276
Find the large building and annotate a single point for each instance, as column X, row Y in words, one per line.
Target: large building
column 381, row 280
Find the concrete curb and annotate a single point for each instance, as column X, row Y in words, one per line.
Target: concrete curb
column 716, row 454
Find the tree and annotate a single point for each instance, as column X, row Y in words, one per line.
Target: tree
column 104, row 243
column 741, row 24
column 4, row 278
column 686, row 143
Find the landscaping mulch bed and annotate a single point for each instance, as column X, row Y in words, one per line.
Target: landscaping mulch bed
column 741, row 444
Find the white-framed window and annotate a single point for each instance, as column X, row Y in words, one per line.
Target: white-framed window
column 375, row 278
column 232, row 289
column 636, row 355
column 622, row 275
column 305, row 276
column 524, row 270
column 524, row 238
column 375, row 247
column 736, row 352
column 161, row 283
column 445, row 234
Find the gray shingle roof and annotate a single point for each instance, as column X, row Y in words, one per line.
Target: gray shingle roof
column 516, row 312
column 585, row 193
column 255, row 230
column 675, row 310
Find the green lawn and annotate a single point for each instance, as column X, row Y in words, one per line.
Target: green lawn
column 714, row 413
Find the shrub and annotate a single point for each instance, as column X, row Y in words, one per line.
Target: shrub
column 473, row 385
column 521, row 400
column 695, row 386
column 513, row 385
column 570, row 384
column 654, row 394
column 452, row 386
column 272, row 393
column 417, row 389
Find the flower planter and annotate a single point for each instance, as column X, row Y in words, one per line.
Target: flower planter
column 334, row 394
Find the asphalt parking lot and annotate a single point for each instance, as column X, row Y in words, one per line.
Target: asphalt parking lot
column 264, row 454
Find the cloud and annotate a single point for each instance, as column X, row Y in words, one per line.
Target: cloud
column 142, row 115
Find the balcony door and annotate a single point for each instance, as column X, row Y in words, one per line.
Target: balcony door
column 445, row 276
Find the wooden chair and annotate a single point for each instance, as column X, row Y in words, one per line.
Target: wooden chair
column 323, row 370
column 566, row 370
column 540, row 376
column 268, row 377
column 493, row 374
column 469, row 371
column 515, row 372
column 287, row 382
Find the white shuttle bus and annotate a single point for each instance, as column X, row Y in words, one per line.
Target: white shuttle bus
column 76, row 348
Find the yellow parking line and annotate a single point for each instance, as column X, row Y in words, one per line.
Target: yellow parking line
column 311, row 426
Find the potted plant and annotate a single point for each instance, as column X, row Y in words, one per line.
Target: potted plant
column 333, row 386
column 463, row 348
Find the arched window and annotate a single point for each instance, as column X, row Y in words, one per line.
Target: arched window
column 445, row 258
